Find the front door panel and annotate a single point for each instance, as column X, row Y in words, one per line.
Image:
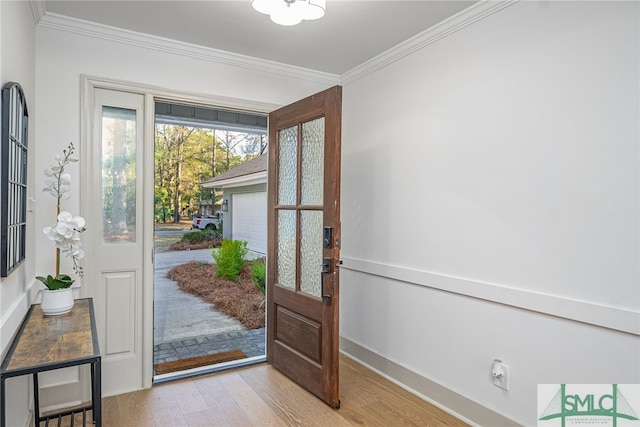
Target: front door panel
column 114, row 277
column 303, row 278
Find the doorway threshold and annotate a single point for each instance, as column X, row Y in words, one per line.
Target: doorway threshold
column 206, row 370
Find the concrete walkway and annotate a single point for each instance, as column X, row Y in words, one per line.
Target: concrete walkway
column 177, row 314
column 185, row 325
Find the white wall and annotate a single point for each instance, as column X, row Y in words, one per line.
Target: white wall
column 505, row 157
column 17, row 64
column 64, row 55
column 507, row 154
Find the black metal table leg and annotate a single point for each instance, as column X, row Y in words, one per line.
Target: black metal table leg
column 36, row 399
column 97, row 392
column 3, row 412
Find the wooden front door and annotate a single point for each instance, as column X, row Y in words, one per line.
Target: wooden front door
column 304, row 242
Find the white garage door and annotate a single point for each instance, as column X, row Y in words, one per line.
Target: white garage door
column 249, row 221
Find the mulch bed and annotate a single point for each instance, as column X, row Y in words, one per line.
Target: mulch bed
column 186, row 246
column 241, row 300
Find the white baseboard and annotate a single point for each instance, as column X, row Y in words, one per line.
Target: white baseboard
column 434, row 393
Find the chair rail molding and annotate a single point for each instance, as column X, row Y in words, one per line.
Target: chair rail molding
column 615, row 318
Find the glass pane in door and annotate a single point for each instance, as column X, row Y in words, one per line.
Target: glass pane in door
column 312, row 168
column 311, row 252
column 311, row 221
column 288, row 166
column 118, row 175
column 286, row 255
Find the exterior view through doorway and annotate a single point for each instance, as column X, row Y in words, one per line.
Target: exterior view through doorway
column 195, row 330
column 301, row 282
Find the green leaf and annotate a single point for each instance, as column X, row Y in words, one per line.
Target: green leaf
column 62, row 282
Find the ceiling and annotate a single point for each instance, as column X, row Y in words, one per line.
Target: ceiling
column 351, row 32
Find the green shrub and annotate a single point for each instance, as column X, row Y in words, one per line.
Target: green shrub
column 199, row 236
column 230, row 258
column 259, row 274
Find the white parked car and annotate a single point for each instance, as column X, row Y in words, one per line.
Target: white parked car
column 207, row 222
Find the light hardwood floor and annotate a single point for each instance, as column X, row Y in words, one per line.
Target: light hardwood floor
column 261, row 396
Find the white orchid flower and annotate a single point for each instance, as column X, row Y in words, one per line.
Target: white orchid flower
column 76, row 222
column 66, row 233
column 76, row 252
column 65, row 216
column 65, row 193
column 49, row 234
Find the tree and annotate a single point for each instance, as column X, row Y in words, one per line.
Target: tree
column 253, row 146
column 161, row 200
column 231, row 141
column 170, row 142
column 185, row 157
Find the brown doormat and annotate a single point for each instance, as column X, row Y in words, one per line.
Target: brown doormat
column 196, row 362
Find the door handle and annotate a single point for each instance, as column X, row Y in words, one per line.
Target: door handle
column 326, row 269
column 326, row 265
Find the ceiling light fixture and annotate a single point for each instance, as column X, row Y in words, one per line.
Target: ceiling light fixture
column 290, row 12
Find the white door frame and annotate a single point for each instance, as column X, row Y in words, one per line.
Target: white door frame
column 151, row 94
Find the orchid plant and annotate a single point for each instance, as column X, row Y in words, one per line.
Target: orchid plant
column 66, row 233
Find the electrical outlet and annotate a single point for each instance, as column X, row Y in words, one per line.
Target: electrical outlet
column 502, row 381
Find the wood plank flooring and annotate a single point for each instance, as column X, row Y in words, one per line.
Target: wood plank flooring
column 261, row 396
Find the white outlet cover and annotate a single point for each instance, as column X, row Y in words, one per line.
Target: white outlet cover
column 503, row 380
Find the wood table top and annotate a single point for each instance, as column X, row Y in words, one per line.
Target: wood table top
column 50, row 340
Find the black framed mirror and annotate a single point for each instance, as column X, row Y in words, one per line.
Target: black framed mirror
column 13, row 178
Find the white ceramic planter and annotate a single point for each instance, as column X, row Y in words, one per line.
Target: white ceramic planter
column 54, row 303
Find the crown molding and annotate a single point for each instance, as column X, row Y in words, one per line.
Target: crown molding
column 145, row 41
column 439, row 31
column 38, row 9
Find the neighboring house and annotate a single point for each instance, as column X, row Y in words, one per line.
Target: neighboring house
column 245, row 200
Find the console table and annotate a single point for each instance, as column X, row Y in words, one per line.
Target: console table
column 47, row 343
